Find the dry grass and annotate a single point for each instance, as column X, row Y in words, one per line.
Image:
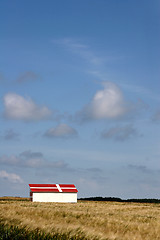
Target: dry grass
column 96, row 220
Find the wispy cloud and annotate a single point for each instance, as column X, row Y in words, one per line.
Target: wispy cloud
column 156, row 117
column 88, row 186
column 10, row 134
column 2, row 78
column 27, row 77
column 120, row 133
column 98, row 74
column 61, row 131
column 19, row 108
column 94, row 170
column 11, row 177
column 81, row 50
column 141, row 90
column 140, row 168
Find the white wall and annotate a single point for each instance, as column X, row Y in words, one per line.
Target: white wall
column 55, row 197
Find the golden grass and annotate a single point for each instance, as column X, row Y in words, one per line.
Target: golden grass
column 96, row 220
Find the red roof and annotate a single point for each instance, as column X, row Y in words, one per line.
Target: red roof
column 66, row 188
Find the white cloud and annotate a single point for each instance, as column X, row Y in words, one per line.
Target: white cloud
column 107, row 103
column 61, row 131
column 11, row 177
column 19, row 108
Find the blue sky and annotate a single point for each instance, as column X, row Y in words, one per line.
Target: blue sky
column 80, row 102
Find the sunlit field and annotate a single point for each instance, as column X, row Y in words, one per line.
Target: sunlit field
column 84, row 220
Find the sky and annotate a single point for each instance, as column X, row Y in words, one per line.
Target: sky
column 80, row 96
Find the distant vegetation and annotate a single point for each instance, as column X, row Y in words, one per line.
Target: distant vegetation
column 14, row 199
column 102, row 199
column 114, row 199
column 87, row 220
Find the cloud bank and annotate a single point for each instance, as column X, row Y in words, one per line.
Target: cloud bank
column 19, row 108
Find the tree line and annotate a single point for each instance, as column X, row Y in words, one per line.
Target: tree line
column 115, row 199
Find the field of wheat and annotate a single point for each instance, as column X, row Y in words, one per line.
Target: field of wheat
column 84, row 220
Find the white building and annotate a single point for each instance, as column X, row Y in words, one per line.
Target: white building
column 53, row 193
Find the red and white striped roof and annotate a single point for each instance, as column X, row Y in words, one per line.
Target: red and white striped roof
column 59, row 188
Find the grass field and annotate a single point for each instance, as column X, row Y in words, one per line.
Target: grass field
column 84, row 220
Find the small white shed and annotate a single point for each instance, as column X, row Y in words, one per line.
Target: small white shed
column 53, row 193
